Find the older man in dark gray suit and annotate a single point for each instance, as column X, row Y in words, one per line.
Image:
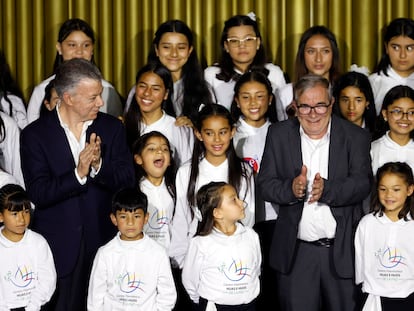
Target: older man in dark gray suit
column 316, row 167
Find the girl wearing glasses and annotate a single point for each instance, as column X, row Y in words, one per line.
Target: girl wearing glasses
column 395, row 129
column 396, row 66
column 318, row 54
column 242, row 50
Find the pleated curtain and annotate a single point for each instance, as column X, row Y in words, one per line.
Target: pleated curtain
column 124, row 30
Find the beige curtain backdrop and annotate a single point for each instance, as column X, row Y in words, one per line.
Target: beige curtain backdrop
column 124, row 30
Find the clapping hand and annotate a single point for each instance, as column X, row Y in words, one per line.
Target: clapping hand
column 90, row 156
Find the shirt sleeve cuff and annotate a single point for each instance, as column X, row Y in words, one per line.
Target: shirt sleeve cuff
column 94, row 171
column 83, row 180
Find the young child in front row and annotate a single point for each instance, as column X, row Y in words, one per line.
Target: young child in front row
column 27, row 269
column 214, row 159
column 155, row 174
column 132, row 271
column 384, row 252
column 222, row 267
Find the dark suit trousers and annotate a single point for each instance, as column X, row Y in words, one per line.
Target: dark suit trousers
column 267, row 296
column 400, row 304
column 71, row 290
column 313, row 285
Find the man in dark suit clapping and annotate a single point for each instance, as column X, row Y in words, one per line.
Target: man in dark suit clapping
column 73, row 159
column 317, row 168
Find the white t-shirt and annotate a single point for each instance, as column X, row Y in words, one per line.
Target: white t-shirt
column 183, row 226
column 18, row 109
column 384, row 257
column 6, row 178
column 249, row 143
column 224, row 91
column 131, row 275
column 10, row 148
column 27, row 272
column 223, row 269
column 160, row 209
column 284, row 98
column 384, row 150
column 381, row 84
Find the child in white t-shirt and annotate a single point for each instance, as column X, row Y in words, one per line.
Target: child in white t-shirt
column 155, row 174
column 222, row 266
column 132, row 271
column 384, row 253
column 27, row 269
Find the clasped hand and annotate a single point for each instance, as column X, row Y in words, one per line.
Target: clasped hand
column 299, row 186
column 90, row 156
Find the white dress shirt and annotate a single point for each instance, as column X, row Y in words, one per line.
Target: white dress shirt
column 317, row 220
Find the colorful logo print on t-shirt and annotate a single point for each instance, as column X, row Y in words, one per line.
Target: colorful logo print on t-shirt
column 391, row 257
column 23, row 276
column 158, row 220
column 130, row 282
column 236, row 270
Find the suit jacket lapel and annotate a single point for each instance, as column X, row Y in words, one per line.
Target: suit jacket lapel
column 61, row 146
column 295, row 148
column 335, row 148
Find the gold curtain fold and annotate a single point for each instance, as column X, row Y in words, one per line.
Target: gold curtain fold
column 124, row 30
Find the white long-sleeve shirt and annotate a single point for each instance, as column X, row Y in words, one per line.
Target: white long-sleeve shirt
column 10, row 147
column 381, row 84
column 384, row 257
column 249, row 143
column 181, row 138
column 112, row 101
column 27, row 272
column 160, row 209
column 184, row 227
column 131, row 275
column 18, row 109
column 223, row 269
column 7, row 178
column 384, row 149
column 284, row 98
column 224, row 91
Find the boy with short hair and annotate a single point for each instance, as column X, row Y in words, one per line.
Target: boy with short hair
column 132, row 271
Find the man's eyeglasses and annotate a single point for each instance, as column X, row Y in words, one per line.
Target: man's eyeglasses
column 319, row 109
column 235, row 42
column 398, row 114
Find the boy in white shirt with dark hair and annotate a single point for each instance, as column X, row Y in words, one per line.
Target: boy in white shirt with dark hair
column 132, row 271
